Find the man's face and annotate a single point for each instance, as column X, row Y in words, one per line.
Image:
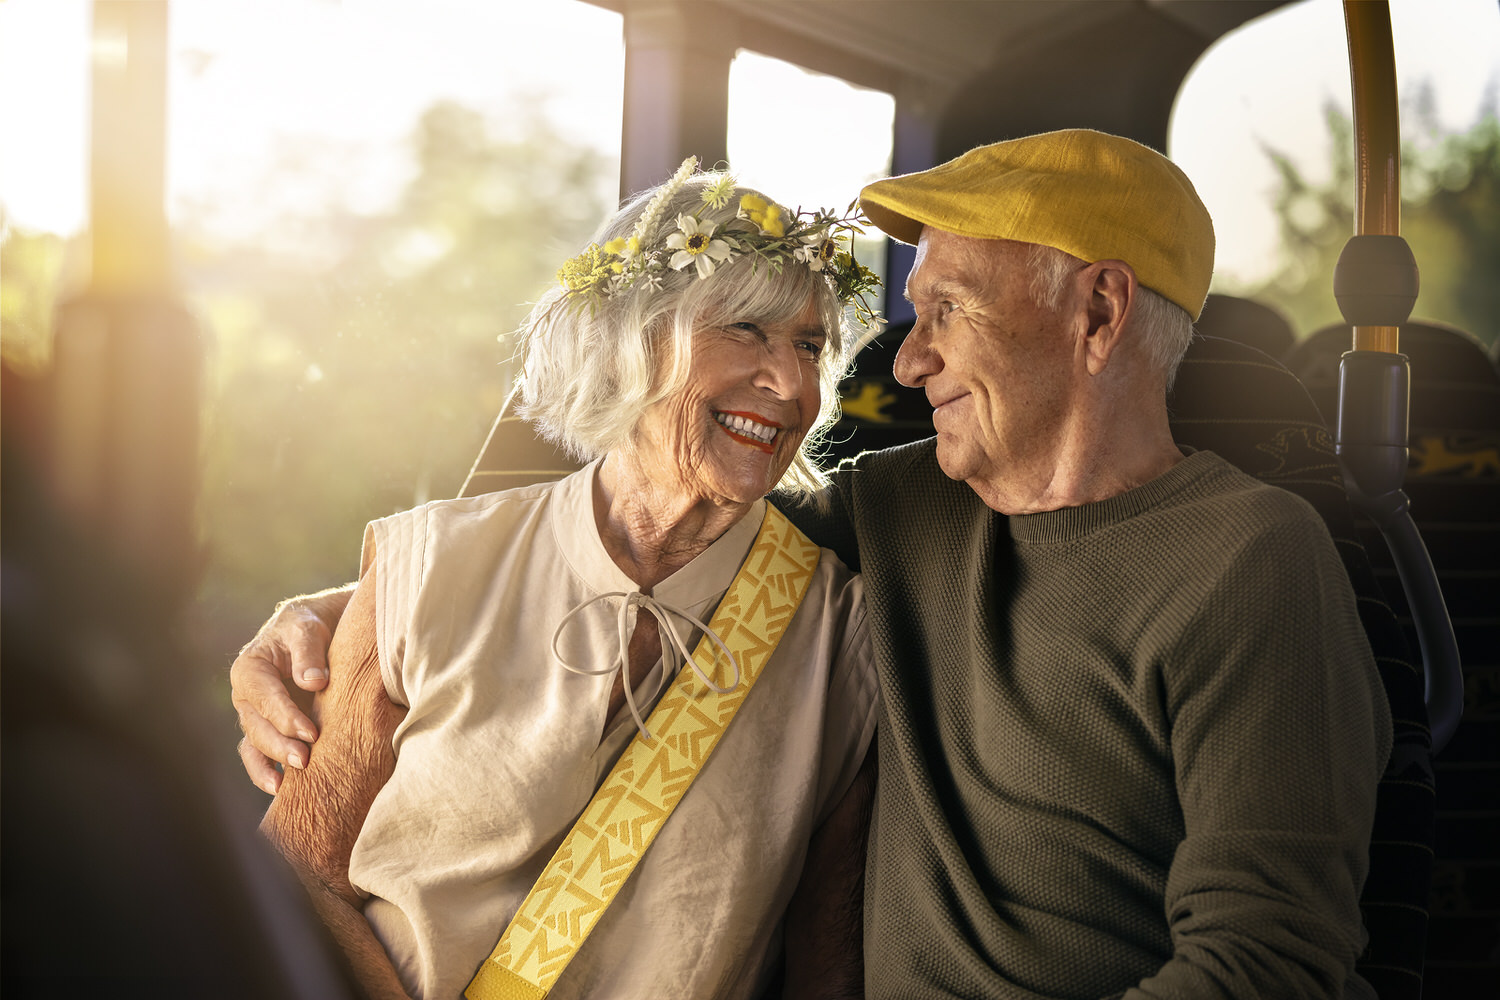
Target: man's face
column 998, row 369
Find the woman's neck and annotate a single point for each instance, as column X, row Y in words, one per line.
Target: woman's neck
column 652, row 528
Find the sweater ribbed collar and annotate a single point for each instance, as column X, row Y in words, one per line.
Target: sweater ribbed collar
column 1072, row 523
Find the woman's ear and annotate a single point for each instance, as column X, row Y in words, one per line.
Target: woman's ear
column 1111, row 301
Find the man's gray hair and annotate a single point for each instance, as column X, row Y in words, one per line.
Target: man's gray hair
column 588, row 373
column 1165, row 328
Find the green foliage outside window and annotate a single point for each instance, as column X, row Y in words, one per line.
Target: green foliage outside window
column 31, row 272
column 359, row 377
column 1450, row 215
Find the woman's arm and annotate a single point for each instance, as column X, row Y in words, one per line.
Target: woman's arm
column 318, row 812
column 824, row 928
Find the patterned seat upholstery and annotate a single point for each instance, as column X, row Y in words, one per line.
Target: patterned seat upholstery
column 1453, row 480
column 878, row 411
column 1248, row 408
column 1246, row 321
column 1455, row 386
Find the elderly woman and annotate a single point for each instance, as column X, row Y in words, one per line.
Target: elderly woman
column 505, row 656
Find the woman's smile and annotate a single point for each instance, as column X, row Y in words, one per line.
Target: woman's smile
column 749, row 429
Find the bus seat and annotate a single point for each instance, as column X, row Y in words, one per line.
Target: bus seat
column 1453, row 476
column 1453, row 480
column 1246, row 321
column 514, row 456
column 1245, row 406
column 1442, row 358
column 1248, row 408
column 878, row 411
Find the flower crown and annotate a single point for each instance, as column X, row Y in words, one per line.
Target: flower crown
column 761, row 229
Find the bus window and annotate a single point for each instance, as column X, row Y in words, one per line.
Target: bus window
column 1233, row 121
column 808, row 136
column 367, row 196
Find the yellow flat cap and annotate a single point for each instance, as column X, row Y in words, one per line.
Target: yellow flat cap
column 1093, row 195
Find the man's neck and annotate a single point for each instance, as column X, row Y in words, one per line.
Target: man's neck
column 1093, row 460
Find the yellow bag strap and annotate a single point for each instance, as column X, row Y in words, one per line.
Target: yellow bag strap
column 632, row 805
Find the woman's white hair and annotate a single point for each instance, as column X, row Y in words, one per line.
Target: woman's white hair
column 588, row 374
column 1164, row 327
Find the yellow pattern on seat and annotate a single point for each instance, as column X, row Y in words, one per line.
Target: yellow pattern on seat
column 635, row 801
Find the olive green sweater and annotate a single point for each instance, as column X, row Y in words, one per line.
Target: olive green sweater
column 1129, row 748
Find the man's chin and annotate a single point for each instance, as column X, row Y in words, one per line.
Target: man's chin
column 953, row 461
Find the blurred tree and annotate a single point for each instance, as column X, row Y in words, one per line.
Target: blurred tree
column 357, row 366
column 34, row 270
column 1450, row 215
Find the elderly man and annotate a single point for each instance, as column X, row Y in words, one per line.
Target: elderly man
column 1131, row 729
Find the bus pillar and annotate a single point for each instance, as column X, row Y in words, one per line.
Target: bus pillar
column 677, row 58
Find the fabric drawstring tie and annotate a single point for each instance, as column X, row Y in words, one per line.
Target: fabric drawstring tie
column 659, row 610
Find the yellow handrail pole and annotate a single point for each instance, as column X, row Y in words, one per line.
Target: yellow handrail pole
column 1376, row 284
column 1377, row 139
column 127, row 183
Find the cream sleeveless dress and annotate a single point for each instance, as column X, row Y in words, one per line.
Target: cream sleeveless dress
column 502, row 748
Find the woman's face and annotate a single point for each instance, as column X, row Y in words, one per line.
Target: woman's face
column 751, row 397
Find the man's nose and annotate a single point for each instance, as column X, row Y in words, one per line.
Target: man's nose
column 916, row 360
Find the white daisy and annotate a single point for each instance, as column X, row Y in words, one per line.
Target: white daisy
column 817, row 250
column 695, row 245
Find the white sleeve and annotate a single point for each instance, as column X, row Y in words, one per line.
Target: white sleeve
column 400, row 547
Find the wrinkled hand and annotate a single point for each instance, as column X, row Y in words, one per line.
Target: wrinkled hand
column 288, row 656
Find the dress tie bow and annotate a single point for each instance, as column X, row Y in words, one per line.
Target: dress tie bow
column 660, row 610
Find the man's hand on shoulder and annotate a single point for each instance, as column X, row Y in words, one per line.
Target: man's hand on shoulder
column 288, row 656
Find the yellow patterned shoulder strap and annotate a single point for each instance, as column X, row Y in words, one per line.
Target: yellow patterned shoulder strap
column 650, row 778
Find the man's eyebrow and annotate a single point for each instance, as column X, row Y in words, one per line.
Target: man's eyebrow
column 945, row 289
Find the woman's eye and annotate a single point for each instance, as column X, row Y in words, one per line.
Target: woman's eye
column 811, row 348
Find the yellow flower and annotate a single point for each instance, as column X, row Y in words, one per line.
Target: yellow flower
column 765, row 214
column 622, row 247
column 586, row 270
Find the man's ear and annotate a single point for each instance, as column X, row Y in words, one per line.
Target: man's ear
column 1111, row 302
